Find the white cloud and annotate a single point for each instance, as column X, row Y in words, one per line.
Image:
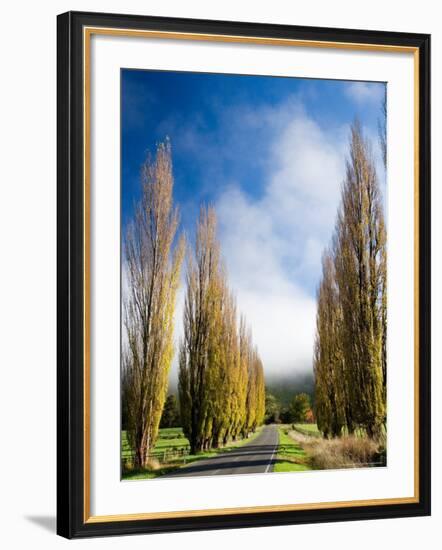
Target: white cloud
column 273, row 245
column 363, row 92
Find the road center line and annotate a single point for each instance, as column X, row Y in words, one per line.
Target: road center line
column 271, row 459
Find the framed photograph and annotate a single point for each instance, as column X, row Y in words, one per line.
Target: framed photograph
column 243, row 274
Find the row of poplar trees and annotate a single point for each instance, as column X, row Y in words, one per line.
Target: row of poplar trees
column 221, row 380
column 351, row 323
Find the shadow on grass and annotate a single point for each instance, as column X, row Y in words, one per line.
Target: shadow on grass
column 141, row 473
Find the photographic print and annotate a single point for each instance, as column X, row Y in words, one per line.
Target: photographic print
column 254, row 274
column 243, row 274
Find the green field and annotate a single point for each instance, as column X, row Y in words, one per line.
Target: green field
column 312, row 430
column 291, row 457
column 307, row 429
column 169, row 440
column 171, row 453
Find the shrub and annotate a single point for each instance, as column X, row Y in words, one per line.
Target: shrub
column 152, row 464
column 344, row 452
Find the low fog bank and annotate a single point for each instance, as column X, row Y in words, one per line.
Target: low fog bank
column 282, row 386
column 285, row 386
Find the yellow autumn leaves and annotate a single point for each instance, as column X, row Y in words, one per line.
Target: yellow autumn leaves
column 221, row 379
column 351, row 325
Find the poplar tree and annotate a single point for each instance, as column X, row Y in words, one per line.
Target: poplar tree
column 360, row 265
column 383, row 266
column 260, row 391
column 152, row 268
column 245, row 346
column 201, row 315
column 216, row 375
column 255, row 395
column 328, row 361
column 240, row 386
column 221, row 379
column 350, row 345
column 225, row 368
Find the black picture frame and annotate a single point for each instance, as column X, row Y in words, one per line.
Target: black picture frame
column 71, row 498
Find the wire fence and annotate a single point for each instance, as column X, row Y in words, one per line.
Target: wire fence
column 164, row 456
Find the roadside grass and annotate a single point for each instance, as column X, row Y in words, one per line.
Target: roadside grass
column 312, row 430
column 355, row 451
column 308, row 429
column 291, row 456
column 347, row 451
column 171, row 442
column 302, row 447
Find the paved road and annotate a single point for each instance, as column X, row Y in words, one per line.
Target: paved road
column 255, row 457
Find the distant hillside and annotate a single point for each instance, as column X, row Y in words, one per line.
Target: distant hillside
column 285, row 387
column 282, row 387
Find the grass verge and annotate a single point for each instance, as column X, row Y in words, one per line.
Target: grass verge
column 343, row 452
column 291, row 456
column 308, row 429
column 355, row 451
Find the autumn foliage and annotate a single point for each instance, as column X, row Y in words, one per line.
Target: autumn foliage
column 221, row 379
column 152, row 266
column 351, row 324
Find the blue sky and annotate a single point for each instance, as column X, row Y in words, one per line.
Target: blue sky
column 269, row 154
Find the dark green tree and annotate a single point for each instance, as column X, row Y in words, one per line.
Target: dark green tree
column 171, row 416
column 299, row 407
column 272, row 408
